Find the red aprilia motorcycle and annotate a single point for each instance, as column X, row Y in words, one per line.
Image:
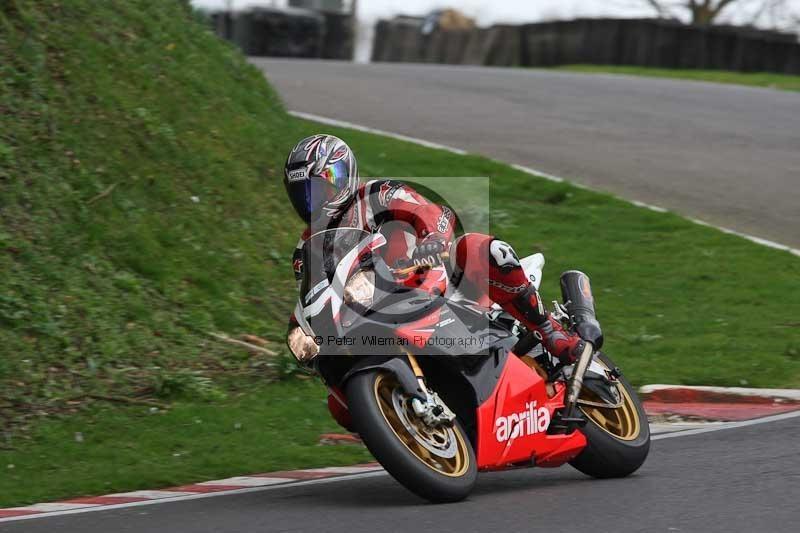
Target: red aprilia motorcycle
column 440, row 387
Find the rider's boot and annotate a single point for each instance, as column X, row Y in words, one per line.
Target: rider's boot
column 509, row 286
column 528, row 309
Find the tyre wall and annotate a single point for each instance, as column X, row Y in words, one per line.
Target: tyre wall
column 645, row 42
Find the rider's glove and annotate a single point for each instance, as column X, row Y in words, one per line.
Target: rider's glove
column 428, row 250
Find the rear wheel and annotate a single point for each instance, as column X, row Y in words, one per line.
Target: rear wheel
column 437, row 464
column 618, row 438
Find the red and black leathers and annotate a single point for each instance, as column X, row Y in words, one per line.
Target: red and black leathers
column 492, row 265
column 415, row 229
column 401, row 214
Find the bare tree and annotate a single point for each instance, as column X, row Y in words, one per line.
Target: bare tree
column 701, row 11
column 706, row 12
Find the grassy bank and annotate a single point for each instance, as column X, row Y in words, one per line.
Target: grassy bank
column 135, row 211
column 141, row 208
column 768, row 80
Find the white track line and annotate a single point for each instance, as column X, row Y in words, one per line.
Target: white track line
column 56, row 507
column 246, row 481
column 350, row 477
column 533, row 172
column 752, row 238
column 195, row 496
column 367, row 129
column 777, row 395
column 729, row 425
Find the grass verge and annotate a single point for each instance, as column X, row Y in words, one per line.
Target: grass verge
column 106, row 449
column 140, row 209
column 679, row 302
column 768, row 80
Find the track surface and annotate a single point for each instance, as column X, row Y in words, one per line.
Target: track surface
column 728, row 155
column 741, row 479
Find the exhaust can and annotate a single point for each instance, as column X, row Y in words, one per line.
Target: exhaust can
column 576, row 291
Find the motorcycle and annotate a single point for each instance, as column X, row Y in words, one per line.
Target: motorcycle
column 440, row 386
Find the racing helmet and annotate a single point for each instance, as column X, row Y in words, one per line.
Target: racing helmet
column 321, row 177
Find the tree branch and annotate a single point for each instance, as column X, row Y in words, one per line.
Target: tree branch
column 103, row 194
column 122, row 399
column 766, row 5
column 714, row 11
column 249, row 346
column 656, row 4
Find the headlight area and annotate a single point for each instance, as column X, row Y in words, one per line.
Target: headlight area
column 360, row 288
column 302, row 346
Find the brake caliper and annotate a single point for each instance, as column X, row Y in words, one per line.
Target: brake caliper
column 433, row 411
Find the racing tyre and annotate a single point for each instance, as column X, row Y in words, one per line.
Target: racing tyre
column 618, row 438
column 437, row 464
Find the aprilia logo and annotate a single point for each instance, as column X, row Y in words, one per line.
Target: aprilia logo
column 531, row 420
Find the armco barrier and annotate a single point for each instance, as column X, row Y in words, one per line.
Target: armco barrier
column 337, row 39
column 601, row 42
column 476, row 51
column 638, row 44
column 270, row 32
column 641, row 42
column 264, row 31
column 454, row 46
column 505, row 46
column 540, row 45
column 406, row 43
column 720, row 50
column 793, row 61
column 571, row 37
column 222, row 24
column 432, row 46
column 381, row 42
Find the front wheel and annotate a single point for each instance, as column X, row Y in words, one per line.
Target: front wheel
column 618, row 438
column 437, row 464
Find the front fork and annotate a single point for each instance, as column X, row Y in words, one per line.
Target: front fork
column 432, row 410
column 576, row 383
column 568, row 419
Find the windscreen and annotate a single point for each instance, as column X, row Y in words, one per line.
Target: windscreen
column 322, row 253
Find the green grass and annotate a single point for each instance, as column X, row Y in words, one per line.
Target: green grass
column 679, row 302
column 769, row 80
column 110, row 291
column 106, row 450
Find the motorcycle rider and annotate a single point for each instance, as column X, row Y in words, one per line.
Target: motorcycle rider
column 321, row 179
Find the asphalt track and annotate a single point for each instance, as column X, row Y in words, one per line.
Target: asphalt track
column 726, row 154
column 743, row 479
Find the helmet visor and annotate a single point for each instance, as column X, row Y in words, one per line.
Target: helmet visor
column 337, row 174
column 310, row 195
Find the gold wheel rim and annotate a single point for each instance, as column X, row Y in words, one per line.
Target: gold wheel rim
column 621, row 422
column 443, row 449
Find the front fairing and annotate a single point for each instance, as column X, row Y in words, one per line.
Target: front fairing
column 398, row 318
column 329, row 257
